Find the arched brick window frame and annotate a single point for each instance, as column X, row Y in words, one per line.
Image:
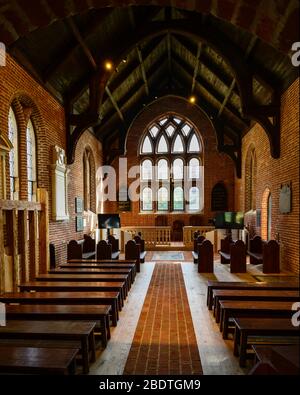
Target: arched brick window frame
column 250, row 179
column 89, row 181
column 266, row 212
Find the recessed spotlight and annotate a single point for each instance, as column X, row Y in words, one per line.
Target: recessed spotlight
column 124, row 60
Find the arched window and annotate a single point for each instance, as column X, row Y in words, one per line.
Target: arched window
column 87, row 180
column 219, row 198
column 269, row 220
column 162, row 145
column 162, row 170
column 178, row 199
column 147, row 203
column 194, row 145
column 194, row 199
column 147, row 173
column 169, row 144
column 194, row 168
column 147, row 146
column 178, row 169
column 13, row 155
column 31, row 161
column 163, row 199
column 250, row 180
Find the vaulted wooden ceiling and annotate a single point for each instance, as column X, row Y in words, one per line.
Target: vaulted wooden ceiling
column 156, row 50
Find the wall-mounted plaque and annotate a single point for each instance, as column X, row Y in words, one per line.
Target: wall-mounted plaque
column 79, row 223
column 258, row 217
column 285, row 199
column 78, row 205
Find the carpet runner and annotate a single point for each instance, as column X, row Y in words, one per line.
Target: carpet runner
column 164, row 340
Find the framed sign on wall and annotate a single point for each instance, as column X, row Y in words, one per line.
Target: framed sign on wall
column 79, row 223
column 78, row 205
column 285, row 199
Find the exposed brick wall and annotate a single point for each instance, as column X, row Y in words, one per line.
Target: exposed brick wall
column 17, row 88
column 217, row 167
column 271, row 173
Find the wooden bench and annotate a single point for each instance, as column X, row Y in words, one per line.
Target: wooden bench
column 236, row 256
column 263, row 329
column 141, row 242
column 32, row 360
column 94, row 271
column 197, row 241
column 230, row 309
column 104, row 250
column 114, row 246
column 225, row 249
column 212, row 284
column 66, row 298
column 255, row 294
column 255, row 250
column 86, row 278
column 99, row 314
column 133, row 251
column 88, row 248
column 276, row 360
column 56, row 330
column 206, row 257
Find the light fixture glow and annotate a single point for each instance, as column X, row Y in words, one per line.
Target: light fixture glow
column 108, row 65
column 192, row 99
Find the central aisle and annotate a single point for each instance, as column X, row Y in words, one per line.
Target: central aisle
column 164, row 340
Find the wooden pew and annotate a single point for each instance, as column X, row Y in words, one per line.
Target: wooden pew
column 213, row 284
column 245, row 308
column 265, row 329
column 205, row 257
column 88, row 248
column 32, row 360
column 86, row 277
column 133, row 251
column 74, row 250
column 271, row 262
column 276, row 360
column 141, row 242
column 66, row 298
column 76, row 286
column 197, row 242
column 104, row 250
column 225, row 249
column 114, row 246
column 238, row 294
column 56, row 330
column 235, row 254
column 255, row 250
column 99, row 314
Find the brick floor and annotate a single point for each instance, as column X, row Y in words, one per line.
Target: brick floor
column 164, row 340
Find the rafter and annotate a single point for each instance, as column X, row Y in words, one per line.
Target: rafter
column 114, row 103
column 143, row 70
column 199, row 50
column 81, row 42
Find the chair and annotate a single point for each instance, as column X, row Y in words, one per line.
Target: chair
column 177, row 230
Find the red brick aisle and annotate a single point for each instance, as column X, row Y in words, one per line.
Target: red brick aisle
column 164, row 340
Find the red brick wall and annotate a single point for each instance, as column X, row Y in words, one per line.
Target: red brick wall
column 217, row 167
column 17, row 88
column 271, row 173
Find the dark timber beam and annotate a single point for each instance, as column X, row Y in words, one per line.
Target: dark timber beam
column 81, row 42
column 114, row 103
column 199, row 49
column 143, row 70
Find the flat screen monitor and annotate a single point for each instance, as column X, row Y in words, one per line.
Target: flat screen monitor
column 229, row 220
column 109, row 221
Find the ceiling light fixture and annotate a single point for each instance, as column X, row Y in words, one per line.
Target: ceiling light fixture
column 192, row 99
column 108, row 65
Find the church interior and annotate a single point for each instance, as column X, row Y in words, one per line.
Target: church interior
column 149, row 187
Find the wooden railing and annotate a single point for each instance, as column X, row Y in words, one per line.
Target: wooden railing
column 188, row 233
column 153, row 235
column 24, row 240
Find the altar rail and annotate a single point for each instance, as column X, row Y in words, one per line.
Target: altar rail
column 188, row 234
column 24, row 240
column 153, row 235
